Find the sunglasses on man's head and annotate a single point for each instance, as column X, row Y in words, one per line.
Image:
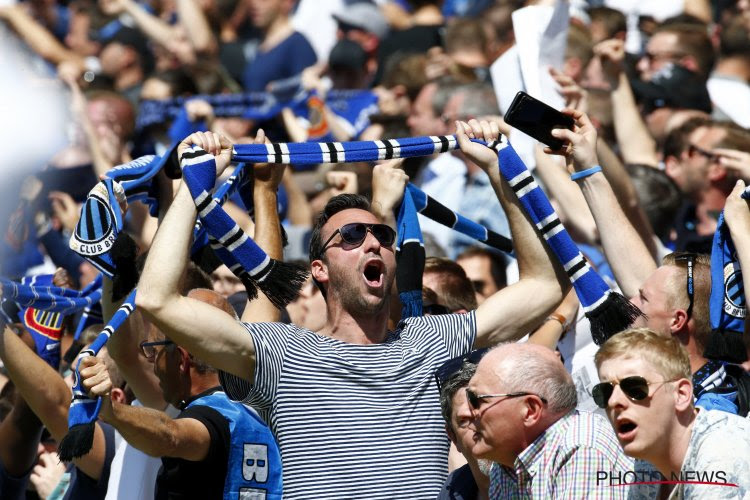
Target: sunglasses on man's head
column 689, row 258
column 354, row 234
column 635, row 388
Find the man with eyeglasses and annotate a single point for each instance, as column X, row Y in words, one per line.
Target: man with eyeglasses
column 647, row 392
column 214, row 448
column 523, row 405
column 354, row 406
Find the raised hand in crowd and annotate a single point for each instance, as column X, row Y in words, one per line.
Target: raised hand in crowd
column 200, row 109
column 581, row 141
column 64, row 209
column 213, row 143
column 47, row 474
column 735, row 161
column 576, row 97
column 611, row 53
column 388, row 184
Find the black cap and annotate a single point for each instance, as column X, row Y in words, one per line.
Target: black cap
column 673, row 86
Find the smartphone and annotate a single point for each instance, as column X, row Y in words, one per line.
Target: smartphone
column 535, row 118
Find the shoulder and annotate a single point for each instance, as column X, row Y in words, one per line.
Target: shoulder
column 713, row 429
column 588, row 433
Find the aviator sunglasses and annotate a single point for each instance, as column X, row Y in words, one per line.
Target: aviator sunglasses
column 635, row 388
column 354, row 234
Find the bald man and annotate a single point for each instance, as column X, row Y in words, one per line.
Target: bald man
column 215, row 447
column 523, row 407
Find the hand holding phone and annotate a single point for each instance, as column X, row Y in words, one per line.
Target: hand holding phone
column 537, row 119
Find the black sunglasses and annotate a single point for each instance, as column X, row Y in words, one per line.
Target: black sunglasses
column 689, row 258
column 635, row 388
column 354, row 234
column 449, row 368
column 693, row 150
column 475, row 400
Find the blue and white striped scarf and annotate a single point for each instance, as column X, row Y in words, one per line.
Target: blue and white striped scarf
column 279, row 281
column 608, row 311
column 727, row 304
column 52, row 298
column 83, row 410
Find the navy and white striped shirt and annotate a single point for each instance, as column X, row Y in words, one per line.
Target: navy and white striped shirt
column 356, row 421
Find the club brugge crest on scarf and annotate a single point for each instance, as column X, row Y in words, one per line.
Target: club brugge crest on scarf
column 95, row 233
column 734, row 300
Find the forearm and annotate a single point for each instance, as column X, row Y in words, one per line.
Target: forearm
column 41, row 386
column 572, row 204
column 636, row 144
column 169, row 253
column 299, row 212
column 39, row 38
column 202, row 329
column 20, row 433
column 151, row 431
column 195, row 23
column 515, row 310
column 624, row 190
column 548, row 334
column 152, row 26
column 626, row 253
column 268, row 237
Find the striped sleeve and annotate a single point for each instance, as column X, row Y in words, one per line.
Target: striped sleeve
column 457, row 331
column 270, row 341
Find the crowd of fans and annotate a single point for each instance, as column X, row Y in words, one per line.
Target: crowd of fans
column 495, row 389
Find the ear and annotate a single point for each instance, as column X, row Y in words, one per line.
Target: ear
column 679, row 322
column 185, row 361
column 319, row 271
column 399, row 90
column 370, row 44
column 716, row 172
column 532, row 411
column 689, row 62
column 683, row 394
column 117, row 395
column 671, row 164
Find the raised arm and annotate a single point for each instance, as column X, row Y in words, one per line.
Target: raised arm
column 517, row 309
column 636, row 143
column 267, row 231
column 737, row 217
column 626, row 253
column 202, row 329
column 194, row 21
column 151, row 431
column 47, row 395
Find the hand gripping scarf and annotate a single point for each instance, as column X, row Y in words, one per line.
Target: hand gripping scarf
column 608, row 311
column 83, row 410
column 727, row 305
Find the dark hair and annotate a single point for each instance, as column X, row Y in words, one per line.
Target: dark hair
column 613, row 20
column 658, row 195
column 179, row 82
column 456, row 290
column 335, row 205
column 677, row 140
column 694, row 41
column 449, row 389
column 463, row 33
column 497, row 263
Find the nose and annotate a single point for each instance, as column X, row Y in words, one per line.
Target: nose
column 371, row 243
column 618, row 399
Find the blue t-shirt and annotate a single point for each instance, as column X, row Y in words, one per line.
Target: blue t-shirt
column 285, row 60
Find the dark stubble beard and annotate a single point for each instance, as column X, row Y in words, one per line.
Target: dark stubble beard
column 349, row 295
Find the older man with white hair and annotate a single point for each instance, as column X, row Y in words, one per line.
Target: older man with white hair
column 524, row 408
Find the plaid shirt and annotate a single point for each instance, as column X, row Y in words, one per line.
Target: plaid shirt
column 563, row 463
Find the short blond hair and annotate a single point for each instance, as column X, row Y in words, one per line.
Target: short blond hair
column 665, row 354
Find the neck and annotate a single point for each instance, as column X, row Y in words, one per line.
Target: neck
column 670, row 462
column 694, row 350
column 356, row 329
column 482, row 480
column 202, row 383
column 277, row 32
column 127, row 78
